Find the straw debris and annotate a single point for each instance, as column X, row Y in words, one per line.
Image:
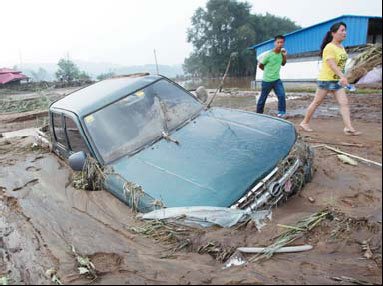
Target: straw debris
column 216, row 250
column 370, row 57
column 164, row 232
column 295, row 232
column 51, row 273
column 85, row 267
column 180, row 238
column 91, row 178
column 135, row 192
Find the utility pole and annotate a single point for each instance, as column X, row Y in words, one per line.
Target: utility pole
column 21, row 58
column 256, row 67
column 155, row 57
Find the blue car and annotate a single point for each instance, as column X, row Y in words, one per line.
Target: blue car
column 156, row 137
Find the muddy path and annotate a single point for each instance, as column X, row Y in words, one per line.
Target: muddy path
column 42, row 217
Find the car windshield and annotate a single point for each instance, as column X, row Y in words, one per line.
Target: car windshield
column 140, row 118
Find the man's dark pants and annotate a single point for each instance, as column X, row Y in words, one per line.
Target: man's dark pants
column 277, row 86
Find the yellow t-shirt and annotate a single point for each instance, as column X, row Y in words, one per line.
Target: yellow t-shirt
column 331, row 51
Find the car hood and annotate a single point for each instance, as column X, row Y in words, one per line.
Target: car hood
column 219, row 156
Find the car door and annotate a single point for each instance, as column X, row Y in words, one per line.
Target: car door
column 60, row 140
column 66, row 134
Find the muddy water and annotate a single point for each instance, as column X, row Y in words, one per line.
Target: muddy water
column 214, row 83
column 242, row 83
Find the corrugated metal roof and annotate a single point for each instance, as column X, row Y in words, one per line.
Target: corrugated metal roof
column 9, row 77
column 310, row 38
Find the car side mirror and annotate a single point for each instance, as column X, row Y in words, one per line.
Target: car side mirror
column 77, row 161
column 202, row 94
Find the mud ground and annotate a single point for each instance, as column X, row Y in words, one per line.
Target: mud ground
column 43, row 217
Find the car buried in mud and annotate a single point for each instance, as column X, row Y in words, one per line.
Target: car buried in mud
column 152, row 135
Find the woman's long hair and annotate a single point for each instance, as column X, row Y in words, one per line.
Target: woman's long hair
column 328, row 38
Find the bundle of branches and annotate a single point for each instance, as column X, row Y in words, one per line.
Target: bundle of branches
column 370, row 57
column 165, row 232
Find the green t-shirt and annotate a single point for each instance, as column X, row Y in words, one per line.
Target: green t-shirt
column 272, row 63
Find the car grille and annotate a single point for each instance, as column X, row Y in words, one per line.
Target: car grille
column 272, row 189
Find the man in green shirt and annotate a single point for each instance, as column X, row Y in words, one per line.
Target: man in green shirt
column 271, row 66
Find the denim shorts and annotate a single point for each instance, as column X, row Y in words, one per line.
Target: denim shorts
column 329, row 85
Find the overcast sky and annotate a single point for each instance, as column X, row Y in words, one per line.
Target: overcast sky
column 126, row 32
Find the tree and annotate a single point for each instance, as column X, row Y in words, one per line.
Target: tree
column 40, row 75
column 268, row 26
column 68, row 71
column 215, row 35
column 83, row 76
column 105, row 75
column 224, row 27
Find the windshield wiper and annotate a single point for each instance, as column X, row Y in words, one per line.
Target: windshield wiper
column 165, row 134
column 164, row 114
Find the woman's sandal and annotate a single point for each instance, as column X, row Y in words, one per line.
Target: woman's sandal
column 349, row 132
column 305, row 128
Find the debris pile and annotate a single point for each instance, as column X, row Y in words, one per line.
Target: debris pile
column 370, row 57
column 292, row 234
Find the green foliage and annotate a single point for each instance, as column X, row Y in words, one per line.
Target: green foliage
column 105, row 75
column 68, row 71
column 268, row 26
column 224, row 27
column 83, row 76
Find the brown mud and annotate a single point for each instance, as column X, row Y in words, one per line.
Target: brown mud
column 42, row 217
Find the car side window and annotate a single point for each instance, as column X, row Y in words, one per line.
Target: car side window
column 58, row 128
column 76, row 141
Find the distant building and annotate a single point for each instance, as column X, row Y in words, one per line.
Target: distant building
column 10, row 76
column 303, row 45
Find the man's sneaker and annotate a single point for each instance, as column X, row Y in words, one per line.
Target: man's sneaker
column 281, row 115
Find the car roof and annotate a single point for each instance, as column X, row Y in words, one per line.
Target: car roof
column 90, row 99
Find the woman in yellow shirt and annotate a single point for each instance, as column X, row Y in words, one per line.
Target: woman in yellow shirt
column 332, row 78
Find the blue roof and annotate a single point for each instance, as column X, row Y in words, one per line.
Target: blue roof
column 309, row 39
column 92, row 98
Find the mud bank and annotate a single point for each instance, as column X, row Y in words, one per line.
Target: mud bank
column 43, row 216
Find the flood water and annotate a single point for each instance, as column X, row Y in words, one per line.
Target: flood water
column 213, row 83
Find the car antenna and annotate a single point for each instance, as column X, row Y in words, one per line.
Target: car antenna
column 155, row 58
column 232, row 56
